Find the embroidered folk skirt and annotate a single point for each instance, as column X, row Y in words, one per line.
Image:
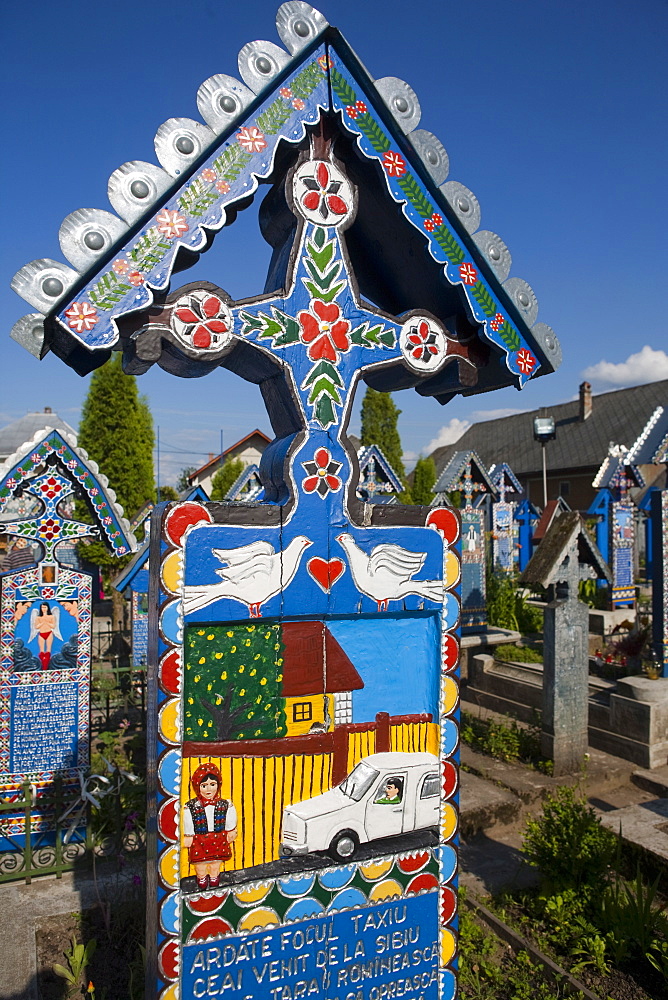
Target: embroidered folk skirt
column 209, row 847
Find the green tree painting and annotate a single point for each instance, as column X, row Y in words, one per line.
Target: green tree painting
column 233, row 682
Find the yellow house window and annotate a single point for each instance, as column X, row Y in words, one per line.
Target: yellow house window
column 302, row 711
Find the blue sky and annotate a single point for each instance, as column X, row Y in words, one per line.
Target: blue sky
column 552, row 112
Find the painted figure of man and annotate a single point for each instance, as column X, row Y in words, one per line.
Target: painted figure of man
column 393, row 790
column 209, row 826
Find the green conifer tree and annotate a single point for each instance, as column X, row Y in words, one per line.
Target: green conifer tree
column 224, row 478
column 424, row 477
column 379, row 427
column 116, row 430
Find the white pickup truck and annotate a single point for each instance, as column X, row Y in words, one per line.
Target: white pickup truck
column 385, row 795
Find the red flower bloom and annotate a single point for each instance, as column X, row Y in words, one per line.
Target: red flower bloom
column 322, row 193
column 202, row 324
column 298, row 104
column 468, row 274
column 321, row 476
column 497, row 322
column 135, row 278
column 171, row 224
column 252, row 140
column 81, row 317
column 325, row 332
column 208, row 174
column 51, row 487
column 223, row 187
column 423, row 341
column 285, row 92
column 525, row 361
column 394, row 164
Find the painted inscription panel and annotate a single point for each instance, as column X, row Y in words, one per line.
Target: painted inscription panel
column 44, row 689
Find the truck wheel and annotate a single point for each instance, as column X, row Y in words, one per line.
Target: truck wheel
column 344, row 845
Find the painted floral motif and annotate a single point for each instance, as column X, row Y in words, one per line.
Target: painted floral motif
column 285, row 92
column 223, row 187
column 324, row 62
column 298, row 104
column 322, row 195
column 51, row 487
column 252, row 140
column 171, row 224
column 120, row 266
column 81, row 317
column 49, row 528
column 322, row 474
column 468, row 274
column 433, row 222
column 202, row 320
column 423, row 343
column 359, row 108
column 497, row 322
column 325, row 332
column 209, row 175
column 525, row 361
column 393, row 163
column 135, row 278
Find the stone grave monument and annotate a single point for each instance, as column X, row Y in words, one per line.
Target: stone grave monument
column 616, row 476
column 504, row 525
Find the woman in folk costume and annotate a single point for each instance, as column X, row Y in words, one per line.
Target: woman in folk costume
column 209, row 826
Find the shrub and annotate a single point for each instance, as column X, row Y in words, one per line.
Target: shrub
column 567, row 843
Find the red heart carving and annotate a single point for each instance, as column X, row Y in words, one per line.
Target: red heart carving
column 324, row 572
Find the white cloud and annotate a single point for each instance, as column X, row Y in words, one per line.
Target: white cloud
column 646, row 365
column 503, row 411
column 448, row 434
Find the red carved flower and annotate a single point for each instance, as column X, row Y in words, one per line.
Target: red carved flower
column 394, row 164
column 252, row 140
column 321, row 474
column 468, row 274
column 51, row 487
column 423, row 341
column 325, row 332
column 525, row 361
column 49, row 529
column 171, row 224
column 322, row 193
column 81, row 317
column 497, row 322
column 202, row 319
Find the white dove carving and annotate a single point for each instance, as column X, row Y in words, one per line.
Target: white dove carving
column 386, row 574
column 252, row 574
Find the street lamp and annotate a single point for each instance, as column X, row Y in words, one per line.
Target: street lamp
column 544, row 430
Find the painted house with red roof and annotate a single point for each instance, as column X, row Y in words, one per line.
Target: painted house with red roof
column 249, row 449
column 318, row 679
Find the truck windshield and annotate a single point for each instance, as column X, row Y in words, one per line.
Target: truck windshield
column 359, row 781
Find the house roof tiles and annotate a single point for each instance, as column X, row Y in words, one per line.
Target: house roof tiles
column 617, row 416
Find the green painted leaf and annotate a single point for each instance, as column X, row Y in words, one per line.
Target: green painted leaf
column 357, row 336
column 321, row 258
column 324, row 412
column 341, row 88
column 290, row 334
column 326, row 368
column 509, row 336
column 388, row 337
column 324, row 280
column 483, row 298
column 447, row 242
column 415, row 195
column 250, row 323
column 306, row 81
column 319, row 237
column 325, row 385
column 374, row 133
column 322, row 295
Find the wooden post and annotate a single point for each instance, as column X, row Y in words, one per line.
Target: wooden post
column 382, row 732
